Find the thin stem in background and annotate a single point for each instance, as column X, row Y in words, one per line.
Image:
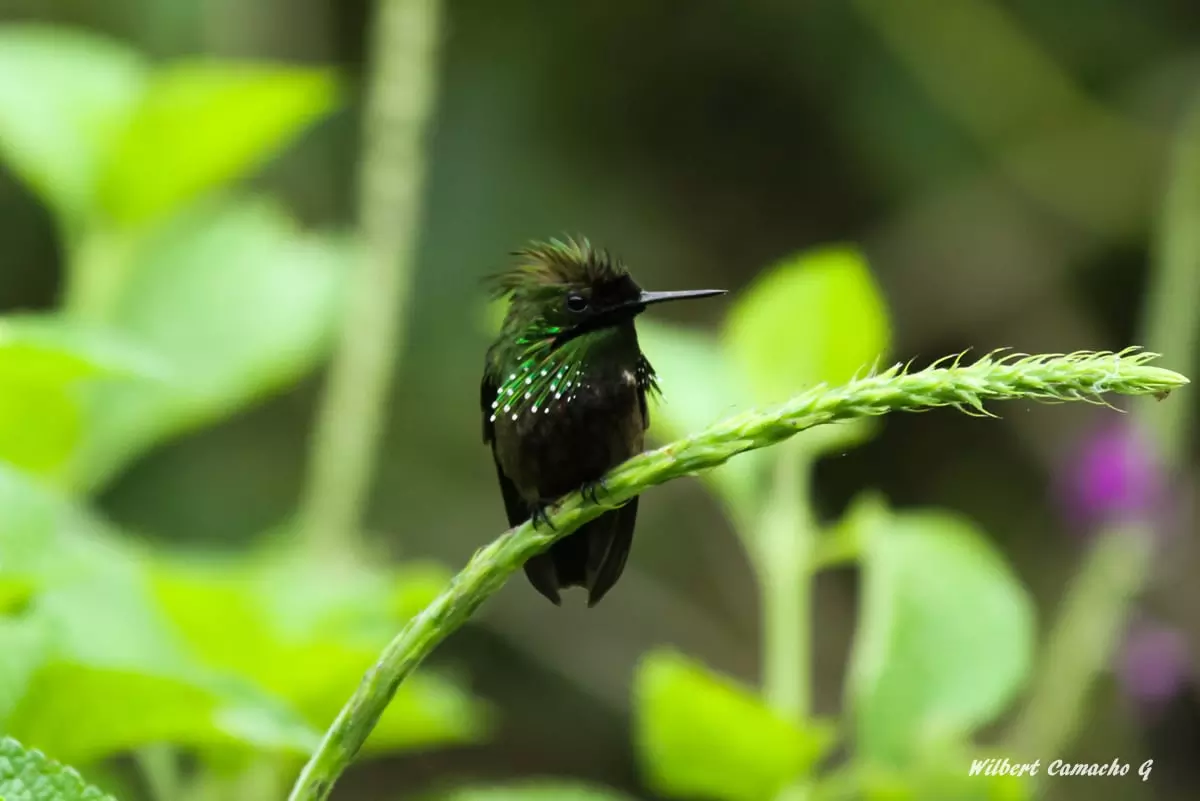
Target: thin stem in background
column 1076, row 377
column 400, row 99
column 1170, row 324
column 96, row 272
column 1087, row 633
column 159, row 765
column 783, row 551
column 783, row 558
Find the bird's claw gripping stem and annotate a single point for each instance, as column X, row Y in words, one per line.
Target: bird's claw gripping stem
column 591, row 489
column 540, row 516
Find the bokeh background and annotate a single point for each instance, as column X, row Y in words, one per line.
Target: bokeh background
column 1003, row 166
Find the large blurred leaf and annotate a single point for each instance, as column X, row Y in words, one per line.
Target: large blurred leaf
column 95, row 649
column 261, row 620
column 943, row 776
column 537, row 790
column 814, row 318
column 23, row 644
column 202, row 125
column 701, row 735
column 43, row 363
column 64, row 97
column 26, row 775
column 699, row 387
column 817, row 317
column 239, row 302
column 41, row 346
column 15, row 593
column 945, row 637
column 82, row 713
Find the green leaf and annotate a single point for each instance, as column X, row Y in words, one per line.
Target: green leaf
column 700, row 734
column 537, row 790
column 842, row 543
column 415, row 586
column 95, row 649
column 43, row 363
column 950, row 783
column 816, row 317
column 15, row 593
column 239, row 302
column 34, row 347
column 41, row 536
column 260, row 620
column 23, row 642
column 203, row 125
column 40, row 425
column 27, row 775
column 699, row 386
column 940, row 774
column 64, row 98
column 83, row 713
column 945, row 637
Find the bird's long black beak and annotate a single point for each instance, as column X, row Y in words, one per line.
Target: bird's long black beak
column 632, row 308
column 650, row 298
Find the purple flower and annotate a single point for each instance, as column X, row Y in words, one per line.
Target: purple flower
column 1115, row 478
column 1154, row 664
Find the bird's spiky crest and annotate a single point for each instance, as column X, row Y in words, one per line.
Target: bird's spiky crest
column 531, row 365
column 557, row 264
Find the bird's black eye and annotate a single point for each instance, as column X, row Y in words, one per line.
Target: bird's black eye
column 576, row 303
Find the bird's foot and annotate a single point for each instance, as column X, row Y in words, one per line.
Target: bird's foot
column 540, row 515
column 592, row 489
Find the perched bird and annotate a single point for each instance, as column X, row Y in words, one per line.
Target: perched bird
column 564, row 396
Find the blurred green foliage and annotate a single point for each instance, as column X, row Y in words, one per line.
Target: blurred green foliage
column 46, row 366
column 701, row 735
column 546, row 790
column 307, row 636
column 186, row 299
column 238, row 301
column 945, row 639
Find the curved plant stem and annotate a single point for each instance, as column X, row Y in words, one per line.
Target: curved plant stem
column 391, row 180
column 1079, row 376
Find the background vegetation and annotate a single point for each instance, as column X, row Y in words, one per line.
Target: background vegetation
column 180, row 193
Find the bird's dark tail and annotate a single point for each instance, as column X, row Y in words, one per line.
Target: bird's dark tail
column 592, row 557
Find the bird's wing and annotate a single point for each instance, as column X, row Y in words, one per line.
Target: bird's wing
column 514, row 506
column 487, row 394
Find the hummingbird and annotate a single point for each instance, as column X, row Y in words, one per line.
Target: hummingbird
column 564, row 399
